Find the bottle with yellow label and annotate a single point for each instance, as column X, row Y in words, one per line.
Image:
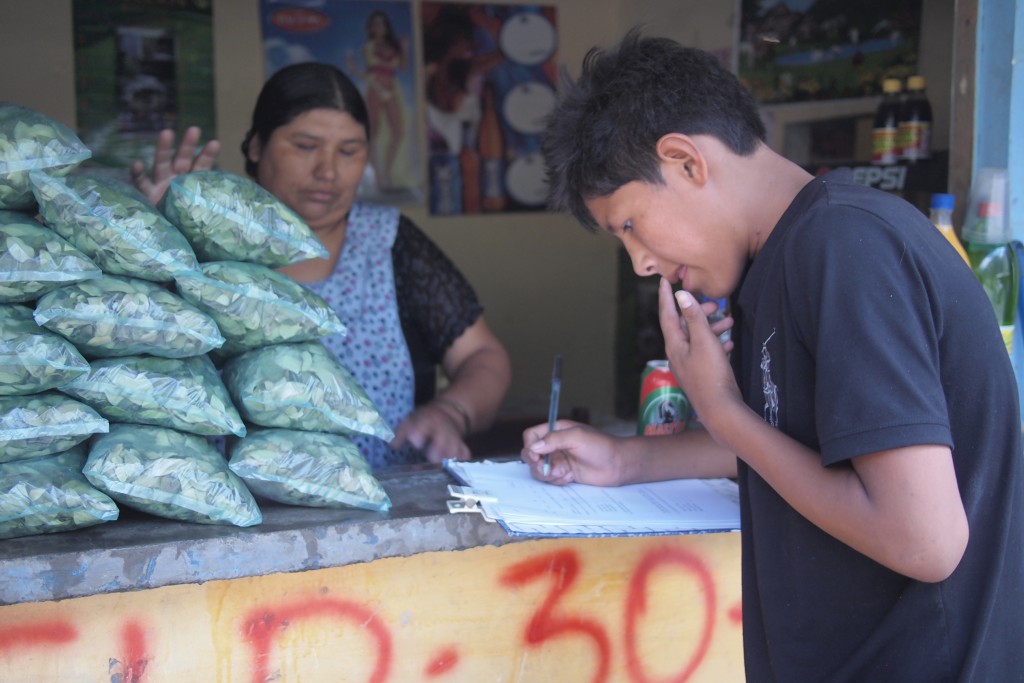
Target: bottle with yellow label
column 915, row 128
column 942, row 218
column 885, row 148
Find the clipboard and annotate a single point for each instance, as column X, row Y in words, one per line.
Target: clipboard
column 503, row 492
column 466, row 499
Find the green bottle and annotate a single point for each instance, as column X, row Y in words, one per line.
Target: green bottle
column 986, row 237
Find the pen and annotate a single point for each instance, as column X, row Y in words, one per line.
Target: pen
column 556, row 388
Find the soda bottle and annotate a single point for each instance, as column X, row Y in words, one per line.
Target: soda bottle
column 469, row 169
column 941, row 214
column 445, row 184
column 885, row 130
column 915, row 127
column 664, row 408
column 491, row 143
column 987, row 237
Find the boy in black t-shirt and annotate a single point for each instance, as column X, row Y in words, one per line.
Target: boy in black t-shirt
column 869, row 412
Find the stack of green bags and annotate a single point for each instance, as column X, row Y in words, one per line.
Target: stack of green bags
column 157, row 333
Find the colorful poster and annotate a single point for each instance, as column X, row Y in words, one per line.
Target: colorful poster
column 370, row 40
column 140, row 66
column 489, row 82
column 802, row 50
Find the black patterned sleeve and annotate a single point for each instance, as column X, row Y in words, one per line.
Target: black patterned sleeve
column 435, row 301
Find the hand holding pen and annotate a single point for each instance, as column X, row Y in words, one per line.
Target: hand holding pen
column 588, row 455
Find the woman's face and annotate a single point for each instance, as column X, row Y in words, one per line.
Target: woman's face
column 378, row 26
column 314, row 164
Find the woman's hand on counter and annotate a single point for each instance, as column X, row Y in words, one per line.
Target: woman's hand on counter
column 435, row 432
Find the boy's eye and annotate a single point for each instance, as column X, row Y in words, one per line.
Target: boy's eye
column 627, row 226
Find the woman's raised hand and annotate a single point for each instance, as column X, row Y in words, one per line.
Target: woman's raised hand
column 167, row 165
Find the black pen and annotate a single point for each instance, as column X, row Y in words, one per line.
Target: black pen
column 556, row 388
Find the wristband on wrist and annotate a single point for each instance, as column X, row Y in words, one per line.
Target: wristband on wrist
column 457, row 407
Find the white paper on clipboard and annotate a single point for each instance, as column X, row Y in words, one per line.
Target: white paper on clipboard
column 505, row 492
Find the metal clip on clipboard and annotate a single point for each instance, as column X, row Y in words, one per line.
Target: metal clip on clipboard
column 468, row 499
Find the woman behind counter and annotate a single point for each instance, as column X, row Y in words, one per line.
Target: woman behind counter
column 405, row 304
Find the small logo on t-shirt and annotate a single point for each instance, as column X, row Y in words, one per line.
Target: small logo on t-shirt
column 768, row 387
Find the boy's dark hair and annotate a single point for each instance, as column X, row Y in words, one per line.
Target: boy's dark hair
column 296, row 89
column 604, row 130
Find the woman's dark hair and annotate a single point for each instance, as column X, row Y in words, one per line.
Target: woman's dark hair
column 389, row 32
column 604, row 131
column 296, row 89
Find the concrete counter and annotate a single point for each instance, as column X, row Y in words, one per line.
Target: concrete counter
column 138, row 551
column 324, row 595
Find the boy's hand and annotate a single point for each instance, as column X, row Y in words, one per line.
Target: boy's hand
column 695, row 354
column 578, row 453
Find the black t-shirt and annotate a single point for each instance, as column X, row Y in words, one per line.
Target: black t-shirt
column 859, row 329
column 435, row 303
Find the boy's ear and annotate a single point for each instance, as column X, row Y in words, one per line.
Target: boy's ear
column 679, row 154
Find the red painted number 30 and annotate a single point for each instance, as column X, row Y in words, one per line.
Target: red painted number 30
column 562, row 568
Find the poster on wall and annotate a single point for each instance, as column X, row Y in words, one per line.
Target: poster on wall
column 370, row 40
column 140, row 66
column 489, row 81
column 804, row 50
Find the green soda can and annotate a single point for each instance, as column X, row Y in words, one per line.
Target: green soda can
column 664, row 408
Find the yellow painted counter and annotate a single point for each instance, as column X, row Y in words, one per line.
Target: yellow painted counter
column 413, row 595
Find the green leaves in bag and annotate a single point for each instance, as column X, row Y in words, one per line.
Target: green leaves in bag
column 47, row 495
column 30, row 140
column 181, row 393
column 255, row 306
column 227, row 217
column 43, row 424
column 32, row 359
column 114, row 225
column 120, row 316
column 301, row 385
column 35, row 260
column 169, row 474
column 311, row 469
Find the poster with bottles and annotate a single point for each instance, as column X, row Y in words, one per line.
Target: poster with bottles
column 489, row 76
column 371, row 41
column 807, row 50
column 140, row 66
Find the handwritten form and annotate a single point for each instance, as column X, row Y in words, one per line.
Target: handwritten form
column 506, row 493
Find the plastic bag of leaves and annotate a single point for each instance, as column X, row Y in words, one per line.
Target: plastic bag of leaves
column 186, row 394
column 170, row 474
column 35, row 260
column 121, row 316
column 312, row 469
column 32, row 359
column 301, row 385
column 227, row 217
column 255, row 306
column 43, row 424
column 29, row 140
column 47, row 495
column 114, row 225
